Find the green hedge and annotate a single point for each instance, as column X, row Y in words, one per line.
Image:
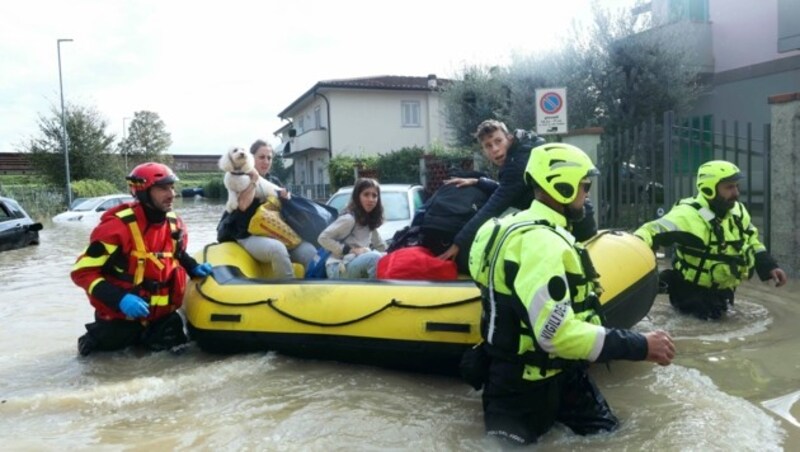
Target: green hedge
column 209, row 181
column 89, row 188
column 399, row 167
column 40, row 201
column 215, row 188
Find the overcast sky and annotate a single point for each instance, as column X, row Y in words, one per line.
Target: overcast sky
column 218, row 75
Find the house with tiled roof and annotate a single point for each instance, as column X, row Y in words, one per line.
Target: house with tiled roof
column 360, row 117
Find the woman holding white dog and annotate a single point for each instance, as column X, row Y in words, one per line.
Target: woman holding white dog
column 266, row 249
column 353, row 238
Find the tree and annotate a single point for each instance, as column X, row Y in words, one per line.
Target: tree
column 629, row 73
column 279, row 168
column 615, row 77
column 89, row 146
column 147, row 139
column 482, row 93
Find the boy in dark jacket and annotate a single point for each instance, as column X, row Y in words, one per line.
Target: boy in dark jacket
column 510, row 152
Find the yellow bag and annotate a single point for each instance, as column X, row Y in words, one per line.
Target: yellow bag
column 267, row 222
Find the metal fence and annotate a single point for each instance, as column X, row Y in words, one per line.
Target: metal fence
column 40, row 202
column 646, row 169
column 317, row 192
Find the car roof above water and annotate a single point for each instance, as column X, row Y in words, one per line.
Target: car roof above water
column 384, row 187
column 96, row 200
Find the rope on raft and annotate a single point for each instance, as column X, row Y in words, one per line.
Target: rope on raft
column 393, row 303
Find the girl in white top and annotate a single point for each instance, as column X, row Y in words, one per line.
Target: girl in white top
column 353, row 238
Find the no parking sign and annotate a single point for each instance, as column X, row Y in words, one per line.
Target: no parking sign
column 551, row 111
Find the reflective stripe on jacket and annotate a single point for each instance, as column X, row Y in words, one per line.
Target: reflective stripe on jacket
column 128, row 255
column 711, row 252
column 530, row 260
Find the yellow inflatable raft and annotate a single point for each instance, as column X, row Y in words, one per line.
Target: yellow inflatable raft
column 413, row 325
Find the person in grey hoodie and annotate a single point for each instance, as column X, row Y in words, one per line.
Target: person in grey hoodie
column 353, row 238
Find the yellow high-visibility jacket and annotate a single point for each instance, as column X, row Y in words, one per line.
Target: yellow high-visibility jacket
column 539, row 304
column 711, row 252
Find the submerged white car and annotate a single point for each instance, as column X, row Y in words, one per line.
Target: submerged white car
column 400, row 201
column 91, row 209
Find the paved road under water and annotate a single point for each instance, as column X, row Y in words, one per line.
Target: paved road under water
column 733, row 386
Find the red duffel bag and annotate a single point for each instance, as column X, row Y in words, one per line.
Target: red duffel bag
column 415, row 262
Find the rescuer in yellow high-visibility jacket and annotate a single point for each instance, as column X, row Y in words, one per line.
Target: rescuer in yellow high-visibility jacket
column 539, row 321
column 717, row 246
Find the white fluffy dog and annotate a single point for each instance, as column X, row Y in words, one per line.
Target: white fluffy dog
column 237, row 163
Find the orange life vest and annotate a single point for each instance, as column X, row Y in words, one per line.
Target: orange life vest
column 145, row 264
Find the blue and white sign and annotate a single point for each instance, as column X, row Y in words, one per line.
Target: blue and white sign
column 551, row 111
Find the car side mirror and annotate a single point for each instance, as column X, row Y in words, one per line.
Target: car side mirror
column 100, row 209
column 35, row 227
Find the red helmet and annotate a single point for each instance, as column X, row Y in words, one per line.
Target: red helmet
column 148, row 174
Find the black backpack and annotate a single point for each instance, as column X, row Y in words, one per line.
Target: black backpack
column 437, row 222
column 408, row 236
column 307, row 217
column 451, row 207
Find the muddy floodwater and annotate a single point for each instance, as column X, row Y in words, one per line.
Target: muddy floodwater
column 734, row 386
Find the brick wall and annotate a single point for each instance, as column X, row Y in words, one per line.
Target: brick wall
column 15, row 163
column 18, row 163
column 437, row 169
column 195, row 162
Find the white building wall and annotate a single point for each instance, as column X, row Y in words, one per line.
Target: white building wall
column 439, row 132
column 308, row 115
column 432, row 124
column 311, row 168
column 362, row 123
column 369, row 122
column 745, row 32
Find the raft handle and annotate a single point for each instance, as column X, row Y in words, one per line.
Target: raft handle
column 226, row 318
column 448, row 327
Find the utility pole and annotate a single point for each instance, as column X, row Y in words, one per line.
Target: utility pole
column 124, row 135
column 64, row 122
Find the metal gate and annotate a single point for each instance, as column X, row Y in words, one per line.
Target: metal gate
column 645, row 170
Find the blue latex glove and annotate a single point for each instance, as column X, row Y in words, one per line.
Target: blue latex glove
column 134, row 306
column 202, row 270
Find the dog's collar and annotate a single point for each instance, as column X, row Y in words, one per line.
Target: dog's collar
column 235, row 173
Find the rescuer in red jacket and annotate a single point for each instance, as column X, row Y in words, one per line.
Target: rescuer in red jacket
column 134, row 269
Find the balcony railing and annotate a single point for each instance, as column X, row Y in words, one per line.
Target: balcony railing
column 311, row 139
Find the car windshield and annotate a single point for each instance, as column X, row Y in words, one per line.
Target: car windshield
column 4, row 214
column 76, row 202
column 395, row 206
column 16, row 210
column 87, row 205
column 339, row 201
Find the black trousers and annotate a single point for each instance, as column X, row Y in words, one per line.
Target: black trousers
column 688, row 298
column 521, row 411
column 109, row 335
